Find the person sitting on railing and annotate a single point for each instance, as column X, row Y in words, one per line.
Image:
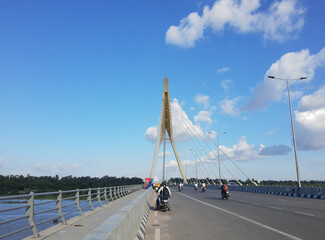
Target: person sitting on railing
column 163, row 191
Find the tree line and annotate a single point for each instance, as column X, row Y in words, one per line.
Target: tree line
column 19, row 184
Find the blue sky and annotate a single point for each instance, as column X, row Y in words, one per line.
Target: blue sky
column 81, row 83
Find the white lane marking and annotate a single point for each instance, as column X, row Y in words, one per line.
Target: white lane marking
column 241, row 201
column 156, row 222
column 257, row 204
column 282, row 200
column 301, row 202
column 155, row 213
column 157, row 234
column 304, row 213
column 245, row 218
column 275, row 207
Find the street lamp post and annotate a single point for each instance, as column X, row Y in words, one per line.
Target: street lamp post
column 196, row 162
column 292, row 126
column 219, row 155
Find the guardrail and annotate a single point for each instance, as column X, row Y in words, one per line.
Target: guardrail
column 306, row 192
column 66, row 203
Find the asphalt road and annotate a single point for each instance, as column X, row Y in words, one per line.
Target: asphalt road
column 197, row 215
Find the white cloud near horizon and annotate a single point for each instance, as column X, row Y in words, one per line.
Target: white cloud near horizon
column 54, row 169
column 2, row 162
column 282, row 20
column 161, row 154
column 202, row 99
column 291, row 65
column 242, row 151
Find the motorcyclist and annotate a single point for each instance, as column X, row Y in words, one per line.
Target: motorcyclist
column 224, row 189
column 163, row 191
column 195, row 186
column 180, row 186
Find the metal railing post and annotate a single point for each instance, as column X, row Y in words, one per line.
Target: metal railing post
column 116, row 193
column 77, row 202
column 30, row 214
column 59, row 207
column 89, row 199
column 111, row 193
column 119, row 192
column 105, row 194
column 98, row 197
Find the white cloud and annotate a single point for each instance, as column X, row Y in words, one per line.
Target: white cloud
column 313, row 101
column 280, row 21
column 226, row 84
column 151, row 133
column 202, row 99
column 271, row 132
column 172, row 164
column 161, row 154
column 222, row 70
column 310, row 119
column 241, row 151
column 203, row 116
column 292, row 65
column 55, row 168
column 228, row 106
column 275, row 150
column 294, row 94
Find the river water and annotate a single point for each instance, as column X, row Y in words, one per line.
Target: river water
column 13, row 226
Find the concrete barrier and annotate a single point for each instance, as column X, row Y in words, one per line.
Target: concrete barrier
column 305, row 192
column 125, row 224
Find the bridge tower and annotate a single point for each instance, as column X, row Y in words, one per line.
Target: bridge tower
column 165, row 125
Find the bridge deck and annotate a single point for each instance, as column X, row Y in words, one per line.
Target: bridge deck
column 79, row 227
column 197, row 215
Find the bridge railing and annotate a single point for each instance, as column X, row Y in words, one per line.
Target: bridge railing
column 42, row 208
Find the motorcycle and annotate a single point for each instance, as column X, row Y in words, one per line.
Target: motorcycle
column 195, row 187
column 164, row 204
column 180, row 188
column 204, row 189
column 225, row 195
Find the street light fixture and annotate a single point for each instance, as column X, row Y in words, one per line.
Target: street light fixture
column 292, row 126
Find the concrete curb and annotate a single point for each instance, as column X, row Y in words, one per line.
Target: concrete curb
column 143, row 226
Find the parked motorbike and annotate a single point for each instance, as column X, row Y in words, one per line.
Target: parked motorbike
column 225, row 195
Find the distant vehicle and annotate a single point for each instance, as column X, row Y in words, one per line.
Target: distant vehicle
column 232, row 184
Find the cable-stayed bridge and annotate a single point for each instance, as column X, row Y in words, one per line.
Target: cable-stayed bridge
column 127, row 212
column 195, row 148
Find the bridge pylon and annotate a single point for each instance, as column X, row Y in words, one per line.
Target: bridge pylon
column 165, row 125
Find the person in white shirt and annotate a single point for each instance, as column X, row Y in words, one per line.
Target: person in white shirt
column 163, row 191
